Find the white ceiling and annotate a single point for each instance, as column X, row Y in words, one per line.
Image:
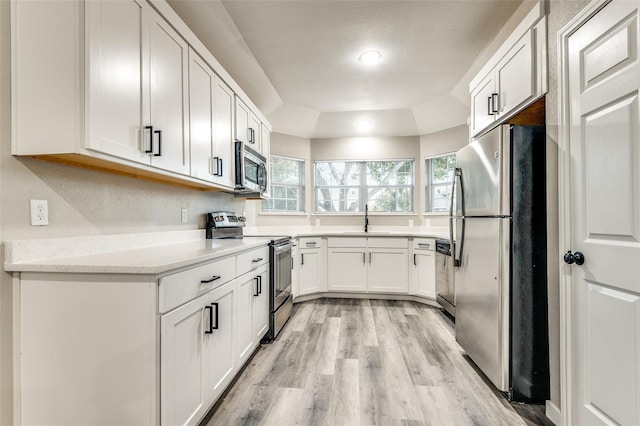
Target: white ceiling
column 298, row 59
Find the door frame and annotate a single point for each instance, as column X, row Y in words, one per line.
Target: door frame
column 564, row 207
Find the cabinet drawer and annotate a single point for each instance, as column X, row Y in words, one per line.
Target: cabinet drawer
column 252, row 259
column 183, row 286
column 310, row 242
column 424, row 244
column 388, row 242
column 346, row 242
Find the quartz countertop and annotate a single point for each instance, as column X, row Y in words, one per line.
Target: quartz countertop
column 159, row 252
column 148, row 253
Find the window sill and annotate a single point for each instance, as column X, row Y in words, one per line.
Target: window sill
column 362, row 214
column 283, row 214
column 445, row 214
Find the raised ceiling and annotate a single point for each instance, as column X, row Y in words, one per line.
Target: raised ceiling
column 298, row 59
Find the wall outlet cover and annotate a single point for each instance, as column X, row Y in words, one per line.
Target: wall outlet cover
column 184, row 216
column 39, row 212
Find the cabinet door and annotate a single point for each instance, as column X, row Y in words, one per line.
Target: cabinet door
column 255, row 131
column 424, row 273
column 261, row 306
column 182, row 363
column 219, row 342
column 168, row 91
column 483, row 112
column 346, row 269
column 247, row 288
column 310, row 272
column 223, row 151
column 516, row 76
column 201, row 118
column 388, row 270
column 117, row 33
column 242, row 121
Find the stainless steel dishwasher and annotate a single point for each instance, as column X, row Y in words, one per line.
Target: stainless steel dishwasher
column 445, row 285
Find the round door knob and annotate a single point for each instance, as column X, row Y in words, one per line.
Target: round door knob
column 577, row 258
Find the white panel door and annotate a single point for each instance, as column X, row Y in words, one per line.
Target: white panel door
column 117, row 33
column 219, row 342
column 182, row 363
column 346, row 269
column 482, row 109
column 604, row 78
column 388, row 270
column 242, row 121
column 310, row 274
column 424, row 270
column 247, row 288
column 201, row 118
column 168, row 89
column 223, row 151
column 516, row 76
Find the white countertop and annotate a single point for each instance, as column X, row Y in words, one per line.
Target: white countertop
column 160, row 252
column 148, row 254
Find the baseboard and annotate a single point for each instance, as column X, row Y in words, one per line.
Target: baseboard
column 378, row 296
column 553, row 413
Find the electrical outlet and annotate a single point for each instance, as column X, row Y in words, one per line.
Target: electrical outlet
column 39, row 212
column 185, row 216
column 410, row 222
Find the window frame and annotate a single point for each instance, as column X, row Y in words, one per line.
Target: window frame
column 428, row 185
column 301, row 186
column 363, row 188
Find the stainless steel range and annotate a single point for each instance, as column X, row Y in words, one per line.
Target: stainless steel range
column 229, row 225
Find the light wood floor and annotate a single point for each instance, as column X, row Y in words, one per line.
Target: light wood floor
column 363, row 362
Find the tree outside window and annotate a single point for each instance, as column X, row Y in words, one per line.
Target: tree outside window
column 286, row 184
column 346, row 186
column 439, row 174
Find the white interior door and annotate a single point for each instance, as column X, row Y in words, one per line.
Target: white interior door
column 603, row 78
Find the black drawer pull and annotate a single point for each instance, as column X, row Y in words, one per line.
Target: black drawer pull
column 257, row 260
column 215, row 305
column 257, row 288
column 210, row 280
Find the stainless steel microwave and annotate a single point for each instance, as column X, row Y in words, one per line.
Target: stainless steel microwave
column 251, row 170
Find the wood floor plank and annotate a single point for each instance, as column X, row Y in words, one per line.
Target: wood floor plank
column 316, row 402
column 366, row 326
column 348, row 347
column 374, row 398
column 344, row 408
column 299, row 360
column 324, row 357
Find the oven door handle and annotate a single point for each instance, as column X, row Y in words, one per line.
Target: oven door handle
column 284, row 247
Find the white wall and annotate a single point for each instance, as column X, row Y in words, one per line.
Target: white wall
column 81, row 202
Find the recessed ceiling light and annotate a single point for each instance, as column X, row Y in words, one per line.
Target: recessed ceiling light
column 370, row 56
column 364, row 125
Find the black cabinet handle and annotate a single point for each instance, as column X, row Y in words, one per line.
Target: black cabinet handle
column 369, row 257
column 214, row 172
column 301, row 258
column 257, row 260
column 210, row 280
column 414, row 260
column 215, row 305
column 210, row 309
column 220, row 167
column 494, row 103
column 364, row 257
column 256, row 291
column 150, row 150
column 259, row 284
column 159, row 132
column 292, row 263
column 489, row 109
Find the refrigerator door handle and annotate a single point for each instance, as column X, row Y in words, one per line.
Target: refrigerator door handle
column 457, row 175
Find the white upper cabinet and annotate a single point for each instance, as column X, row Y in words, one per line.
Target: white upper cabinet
column 248, row 126
column 137, row 85
column 117, row 41
column 210, row 124
column 514, row 77
column 118, row 99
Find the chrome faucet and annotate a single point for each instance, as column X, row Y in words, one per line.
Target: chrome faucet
column 366, row 218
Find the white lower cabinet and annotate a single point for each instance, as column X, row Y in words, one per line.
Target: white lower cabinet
column 367, row 264
column 423, row 268
column 253, row 311
column 311, row 266
column 137, row 349
column 196, row 355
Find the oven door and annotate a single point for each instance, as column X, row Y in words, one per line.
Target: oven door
column 282, row 265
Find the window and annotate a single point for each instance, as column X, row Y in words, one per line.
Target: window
column 346, row 186
column 439, row 173
column 286, row 182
